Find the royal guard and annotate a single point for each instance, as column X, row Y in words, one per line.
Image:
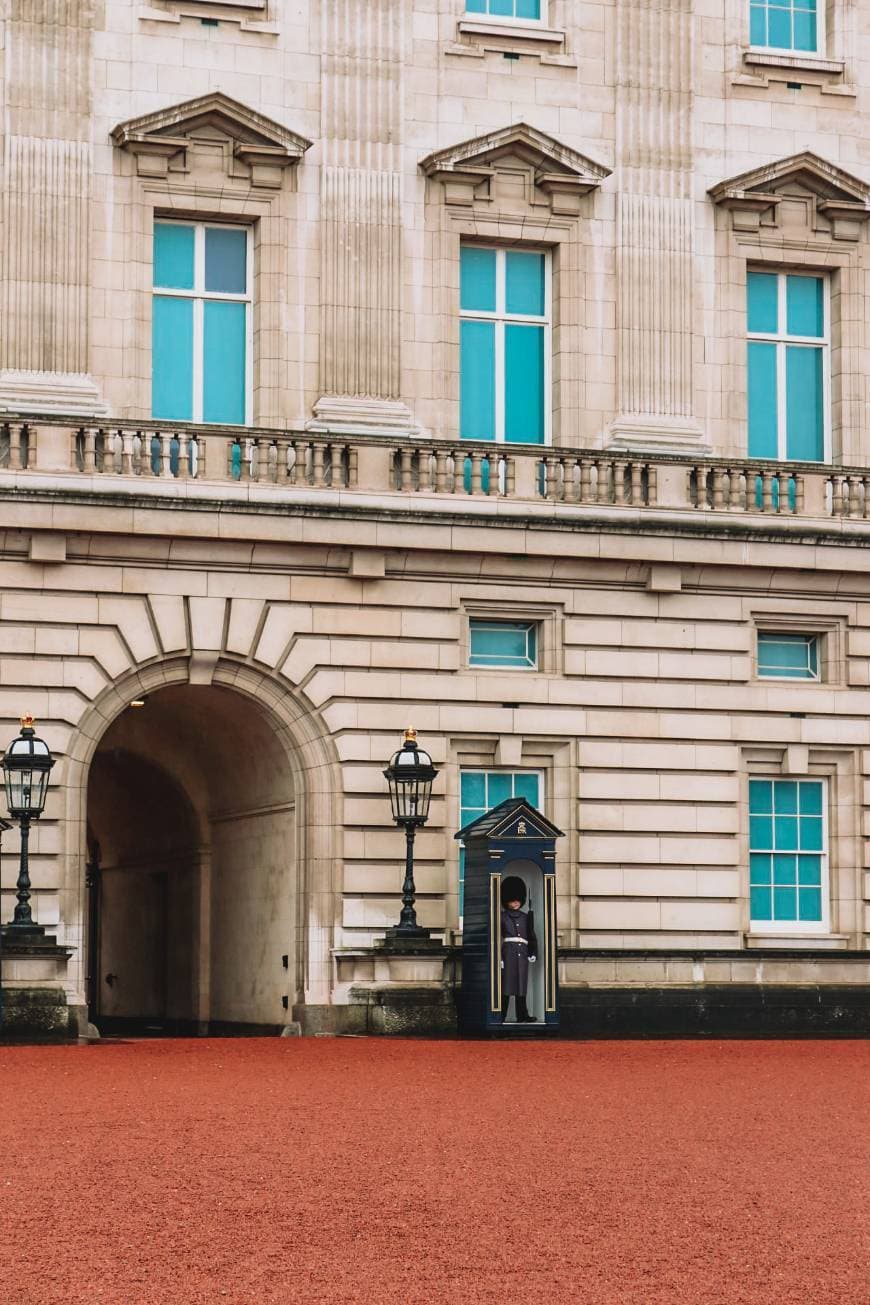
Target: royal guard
column 519, row 949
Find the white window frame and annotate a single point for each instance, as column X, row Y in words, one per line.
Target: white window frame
column 781, row 339
column 510, row 21
column 787, row 927
column 502, row 319
column 502, row 667
column 818, row 638
column 789, row 51
column 199, row 295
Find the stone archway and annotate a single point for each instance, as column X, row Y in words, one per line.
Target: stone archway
column 246, row 777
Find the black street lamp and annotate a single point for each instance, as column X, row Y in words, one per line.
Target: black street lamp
column 26, row 765
column 410, row 775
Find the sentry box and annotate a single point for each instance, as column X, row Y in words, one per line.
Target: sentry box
column 510, row 857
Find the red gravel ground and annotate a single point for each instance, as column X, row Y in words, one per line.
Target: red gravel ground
column 366, row 1170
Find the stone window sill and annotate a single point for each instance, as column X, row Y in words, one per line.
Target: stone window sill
column 792, row 62
column 513, row 30
column 835, row 942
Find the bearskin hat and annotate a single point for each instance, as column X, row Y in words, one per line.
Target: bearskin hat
column 513, row 890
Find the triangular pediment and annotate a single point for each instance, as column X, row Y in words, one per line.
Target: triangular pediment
column 217, row 112
column 521, row 141
column 256, row 148
column 513, row 818
column 839, row 198
column 807, row 170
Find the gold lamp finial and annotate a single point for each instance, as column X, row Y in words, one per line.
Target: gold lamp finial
column 410, row 735
column 27, row 721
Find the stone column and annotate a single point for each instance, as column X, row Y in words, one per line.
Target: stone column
column 655, row 224
column 47, row 177
column 363, row 55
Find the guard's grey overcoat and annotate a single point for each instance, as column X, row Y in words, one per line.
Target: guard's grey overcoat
column 515, row 955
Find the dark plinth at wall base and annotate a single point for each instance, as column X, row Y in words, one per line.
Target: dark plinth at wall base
column 35, row 1015
column 738, row 1010
column 406, row 1011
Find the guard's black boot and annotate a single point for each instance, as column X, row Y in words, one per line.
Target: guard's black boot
column 505, row 1002
column 523, row 1016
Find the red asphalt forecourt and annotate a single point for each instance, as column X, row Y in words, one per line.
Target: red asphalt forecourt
column 367, row 1170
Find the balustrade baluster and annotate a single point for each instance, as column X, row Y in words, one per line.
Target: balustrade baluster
column 767, row 491
column 636, row 484
column 406, row 469
column 855, row 484
column 736, row 500
column 183, row 455
column 552, row 465
column 586, row 480
column 352, row 466
column 718, row 489
column 799, row 495
column 652, row 485
column 510, row 476
column 440, row 471
column 837, row 496
column 619, row 481
column 424, row 473
column 89, row 451
column 262, row 445
column 126, row 453
column 605, row 470
column 476, row 472
column 317, row 463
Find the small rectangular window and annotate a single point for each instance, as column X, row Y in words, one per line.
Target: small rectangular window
column 528, row 10
column 504, row 335
column 511, row 644
column 787, row 25
column 788, row 656
column 201, row 323
column 788, row 366
column 788, row 853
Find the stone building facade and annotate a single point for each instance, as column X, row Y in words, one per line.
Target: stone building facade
column 344, row 346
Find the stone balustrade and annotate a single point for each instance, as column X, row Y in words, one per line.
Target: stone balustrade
column 396, row 465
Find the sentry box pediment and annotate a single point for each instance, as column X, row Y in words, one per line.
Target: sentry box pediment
column 510, row 854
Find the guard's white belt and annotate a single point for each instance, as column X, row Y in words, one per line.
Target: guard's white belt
column 524, row 941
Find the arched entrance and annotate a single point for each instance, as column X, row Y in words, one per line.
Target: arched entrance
column 191, row 831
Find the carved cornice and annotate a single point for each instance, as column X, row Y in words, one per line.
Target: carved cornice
column 156, row 139
column 560, row 172
column 841, row 198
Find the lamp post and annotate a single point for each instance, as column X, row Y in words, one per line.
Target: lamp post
column 26, row 765
column 409, row 776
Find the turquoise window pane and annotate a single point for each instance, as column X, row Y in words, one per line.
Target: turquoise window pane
column 502, row 8
column 502, row 643
column 477, row 279
column 810, row 903
column 762, row 299
column 224, row 362
column 785, row 831
column 805, row 430
column 779, row 28
column 226, row 255
column 172, row 359
column 760, row 832
column 477, row 381
column 528, row 787
column 173, row 256
column 787, row 656
column 784, row 870
column 760, row 903
column 524, row 289
column 761, row 796
column 805, row 305
column 763, row 424
column 809, row 871
column 528, row 8
column 785, row 797
column 785, row 903
column 524, row 384
column 475, row 6
column 805, row 31
column 758, row 25
column 759, row 868
column 810, row 799
column 472, row 790
column 811, row 834
column 501, row 787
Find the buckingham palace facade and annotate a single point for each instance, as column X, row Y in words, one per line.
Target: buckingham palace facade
column 493, row 367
